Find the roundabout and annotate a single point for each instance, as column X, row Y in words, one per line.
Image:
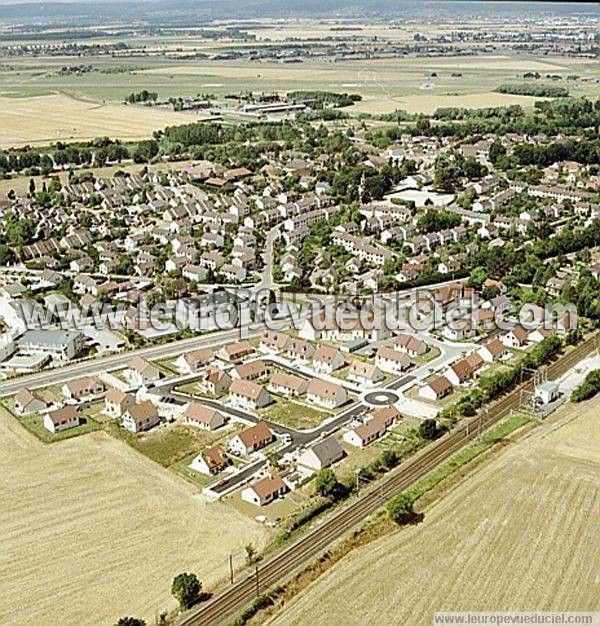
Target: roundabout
column 381, row 398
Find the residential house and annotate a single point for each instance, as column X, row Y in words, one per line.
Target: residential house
column 437, row 389
column 364, row 373
column 273, row 341
column 300, row 350
column 80, row 388
column 363, row 435
column 254, row 370
column 248, row 395
column 28, row 402
column 61, row 419
column 493, row 350
column 192, row 362
column 326, row 394
column 216, row 381
column 140, row 417
column 116, row 402
column 196, row 414
column 265, row 490
column 413, row 346
column 322, row 454
column 251, row 439
column 515, row 338
column 210, row 461
column 287, row 384
column 141, row 372
column 327, row 359
column 235, row 351
column 460, row 371
column 392, row 361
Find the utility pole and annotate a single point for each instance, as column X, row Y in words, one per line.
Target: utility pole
column 231, row 568
column 257, row 583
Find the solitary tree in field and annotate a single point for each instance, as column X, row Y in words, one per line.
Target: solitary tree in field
column 185, row 589
column 130, row 621
column 400, row 507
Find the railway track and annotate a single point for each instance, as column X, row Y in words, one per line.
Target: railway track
column 281, row 566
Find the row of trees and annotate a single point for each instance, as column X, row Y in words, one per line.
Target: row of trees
column 531, row 89
column 142, row 96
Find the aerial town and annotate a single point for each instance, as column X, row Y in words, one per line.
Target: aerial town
column 255, row 329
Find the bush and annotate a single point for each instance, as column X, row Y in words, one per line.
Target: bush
column 589, row 388
column 401, row 507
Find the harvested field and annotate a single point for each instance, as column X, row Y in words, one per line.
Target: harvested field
column 93, row 531
column 520, row 534
column 429, row 102
column 44, row 119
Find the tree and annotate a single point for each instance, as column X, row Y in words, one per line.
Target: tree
column 130, row 621
column 428, row 429
column 185, row 589
column 327, row 484
column 6, row 254
column 251, row 555
column 390, row 458
column 497, row 150
column 31, row 186
column 401, row 507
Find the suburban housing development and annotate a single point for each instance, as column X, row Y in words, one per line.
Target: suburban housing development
column 271, row 279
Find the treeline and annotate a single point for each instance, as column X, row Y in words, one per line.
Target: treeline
column 326, row 115
column 97, row 152
column 531, row 89
column 586, row 152
column 572, row 116
column 323, row 98
column 460, row 113
column 142, row 96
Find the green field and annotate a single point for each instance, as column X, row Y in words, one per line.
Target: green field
column 45, row 99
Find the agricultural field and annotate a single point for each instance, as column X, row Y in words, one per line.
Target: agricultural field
column 40, row 105
column 506, row 538
column 95, row 531
column 41, row 120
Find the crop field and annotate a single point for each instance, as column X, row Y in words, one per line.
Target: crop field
column 506, row 538
column 44, row 119
column 41, row 105
column 92, row 528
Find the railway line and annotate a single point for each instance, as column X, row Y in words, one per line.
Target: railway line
column 282, row 565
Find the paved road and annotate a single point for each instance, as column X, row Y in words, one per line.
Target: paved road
column 275, row 570
column 299, row 438
column 117, row 361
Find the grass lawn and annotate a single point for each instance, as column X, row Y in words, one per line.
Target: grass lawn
column 167, row 444
column 293, row 414
column 193, row 390
column 196, row 478
column 455, row 396
column 431, row 354
column 167, row 366
column 90, row 417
